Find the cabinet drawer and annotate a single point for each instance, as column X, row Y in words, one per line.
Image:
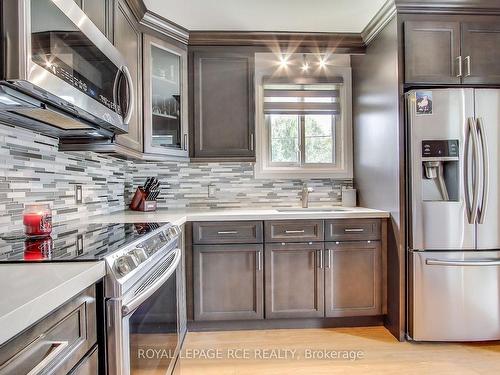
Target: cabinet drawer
column 58, row 342
column 89, row 365
column 227, row 232
column 352, row 229
column 294, row 230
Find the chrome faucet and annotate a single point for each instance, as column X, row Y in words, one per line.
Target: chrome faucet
column 305, row 195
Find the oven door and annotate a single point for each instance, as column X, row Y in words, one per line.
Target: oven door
column 143, row 325
column 52, row 45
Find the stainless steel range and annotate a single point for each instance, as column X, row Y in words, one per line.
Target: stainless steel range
column 141, row 293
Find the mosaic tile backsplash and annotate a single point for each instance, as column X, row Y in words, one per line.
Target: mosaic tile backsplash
column 33, row 170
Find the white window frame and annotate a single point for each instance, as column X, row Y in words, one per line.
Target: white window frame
column 343, row 166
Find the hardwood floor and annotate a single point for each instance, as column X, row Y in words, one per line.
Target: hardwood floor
column 380, row 354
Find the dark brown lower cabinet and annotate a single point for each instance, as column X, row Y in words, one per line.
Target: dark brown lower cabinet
column 353, row 278
column 228, row 282
column 294, row 280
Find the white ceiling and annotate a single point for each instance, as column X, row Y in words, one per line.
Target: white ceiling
column 268, row 15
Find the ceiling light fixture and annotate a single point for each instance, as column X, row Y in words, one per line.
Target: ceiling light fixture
column 305, row 64
column 283, row 61
column 322, row 62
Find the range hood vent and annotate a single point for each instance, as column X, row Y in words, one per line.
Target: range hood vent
column 18, row 108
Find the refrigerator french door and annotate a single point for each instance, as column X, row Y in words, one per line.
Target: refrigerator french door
column 454, row 239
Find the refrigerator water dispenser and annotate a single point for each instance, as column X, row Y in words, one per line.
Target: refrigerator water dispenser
column 440, row 177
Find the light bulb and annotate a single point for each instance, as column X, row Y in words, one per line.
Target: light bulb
column 322, row 62
column 305, row 64
column 283, row 61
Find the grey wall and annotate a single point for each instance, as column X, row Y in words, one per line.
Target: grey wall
column 377, row 165
column 33, row 170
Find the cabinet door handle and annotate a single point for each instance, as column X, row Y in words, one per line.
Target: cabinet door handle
column 251, row 142
column 227, row 232
column 467, row 66
column 294, row 231
column 259, row 260
column 185, row 142
column 349, row 230
column 329, row 258
column 459, row 58
column 321, row 259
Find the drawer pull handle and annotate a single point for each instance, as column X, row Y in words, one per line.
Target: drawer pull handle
column 294, row 231
column 349, row 230
column 227, row 232
column 58, row 347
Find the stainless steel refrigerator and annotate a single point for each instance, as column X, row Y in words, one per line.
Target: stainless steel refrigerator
column 454, row 227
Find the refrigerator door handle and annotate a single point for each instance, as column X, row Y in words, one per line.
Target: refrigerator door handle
column 461, row 263
column 486, row 171
column 472, row 212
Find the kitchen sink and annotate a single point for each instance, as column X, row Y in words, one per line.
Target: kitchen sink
column 313, row 209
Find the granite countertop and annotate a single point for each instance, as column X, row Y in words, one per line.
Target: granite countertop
column 33, row 290
column 180, row 216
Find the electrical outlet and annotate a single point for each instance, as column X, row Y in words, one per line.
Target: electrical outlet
column 211, row 190
column 78, row 194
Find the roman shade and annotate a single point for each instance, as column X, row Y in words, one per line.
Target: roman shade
column 302, row 98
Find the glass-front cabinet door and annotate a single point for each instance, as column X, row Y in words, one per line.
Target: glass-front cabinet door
column 165, row 98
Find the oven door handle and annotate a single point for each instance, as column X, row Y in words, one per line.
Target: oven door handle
column 135, row 302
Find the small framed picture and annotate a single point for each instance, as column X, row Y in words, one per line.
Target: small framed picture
column 424, row 103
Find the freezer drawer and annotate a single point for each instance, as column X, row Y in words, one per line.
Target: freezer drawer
column 455, row 296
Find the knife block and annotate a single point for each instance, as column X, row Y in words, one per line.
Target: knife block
column 140, row 203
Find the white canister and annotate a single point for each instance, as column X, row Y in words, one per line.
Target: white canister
column 349, row 197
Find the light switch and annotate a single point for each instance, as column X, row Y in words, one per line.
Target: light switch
column 211, row 190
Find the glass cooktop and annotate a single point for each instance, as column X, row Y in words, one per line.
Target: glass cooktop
column 72, row 242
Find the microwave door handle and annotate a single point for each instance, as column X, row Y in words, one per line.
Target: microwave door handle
column 135, row 302
column 486, row 171
column 116, row 84
column 131, row 100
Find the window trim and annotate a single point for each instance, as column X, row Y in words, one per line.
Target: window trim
column 343, row 169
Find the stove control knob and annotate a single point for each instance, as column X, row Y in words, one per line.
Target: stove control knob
column 124, row 264
column 139, row 254
column 173, row 231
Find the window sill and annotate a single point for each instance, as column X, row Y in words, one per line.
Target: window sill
column 301, row 173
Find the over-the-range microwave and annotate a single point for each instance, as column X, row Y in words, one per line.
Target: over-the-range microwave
column 60, row 75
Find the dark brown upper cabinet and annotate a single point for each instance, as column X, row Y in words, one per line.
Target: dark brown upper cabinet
column 128, row 40
column 448, row 51
column 100, row 13
column 223, row 104
column 481, row 52
column 432, row 52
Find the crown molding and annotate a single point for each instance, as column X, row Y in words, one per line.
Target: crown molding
column 379, row 21
column 338, row 42
column 484, row 7
column 158, row 23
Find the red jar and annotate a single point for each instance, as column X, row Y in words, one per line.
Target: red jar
column 37, row 220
